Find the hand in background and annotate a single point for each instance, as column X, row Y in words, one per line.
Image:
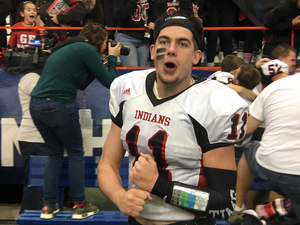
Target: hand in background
column 296, row 21
column 260, row 62
column 43, row 32
column 151, row 26
column 54, row 19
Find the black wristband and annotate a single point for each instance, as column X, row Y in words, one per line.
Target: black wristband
column 163, row 188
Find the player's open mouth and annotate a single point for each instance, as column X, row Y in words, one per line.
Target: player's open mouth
column 169, row 67
column 32, row 17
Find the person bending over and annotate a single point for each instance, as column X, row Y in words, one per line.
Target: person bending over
column 72, row 65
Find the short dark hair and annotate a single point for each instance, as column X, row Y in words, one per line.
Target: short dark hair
column 283, row 50
column 249, row 77
column 231, row 62
column 197, row 25
column 94, row 33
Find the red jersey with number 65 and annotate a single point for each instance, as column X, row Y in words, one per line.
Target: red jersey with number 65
column 176, row 130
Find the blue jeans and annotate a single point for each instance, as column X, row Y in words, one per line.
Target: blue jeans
column 289, row 184
column 139, row 50
column 59, row 125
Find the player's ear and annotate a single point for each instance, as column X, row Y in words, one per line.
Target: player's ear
column 152, row 49
column 197, row 56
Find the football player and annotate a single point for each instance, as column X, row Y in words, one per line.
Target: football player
column 179, row 134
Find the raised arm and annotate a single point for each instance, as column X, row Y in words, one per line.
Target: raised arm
column 129, row 202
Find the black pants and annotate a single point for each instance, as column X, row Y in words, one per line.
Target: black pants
column 109, row 18
column 201, row 221
column 222, row 13
column 32, row 196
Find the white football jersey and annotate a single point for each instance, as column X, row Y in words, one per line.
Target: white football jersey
column 176, row 130
column 274, row 67
column 223, row 77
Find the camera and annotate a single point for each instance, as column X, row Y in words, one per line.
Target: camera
column 19, row 60
column 22, row 60
column 124, row 48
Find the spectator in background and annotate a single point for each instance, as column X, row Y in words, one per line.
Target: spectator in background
column 200, row 9
column 281, row 20
column 109, row 17
column 27, row 17
column 252, row 38
column 14, row 10
column 5, row 7
column 94, row 12
column 68, row 17
column 222, row 13
column 176, row 5
column 30, row 141
column 135, row 14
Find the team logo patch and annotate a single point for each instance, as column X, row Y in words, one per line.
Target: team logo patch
column 127, row 92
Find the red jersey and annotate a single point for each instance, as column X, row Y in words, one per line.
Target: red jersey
column 21, row 38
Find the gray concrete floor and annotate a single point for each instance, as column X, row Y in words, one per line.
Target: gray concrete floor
column 9, row 211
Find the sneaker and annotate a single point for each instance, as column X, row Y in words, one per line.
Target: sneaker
column 48, row 212
column 84, row 210
column 251, row 218
column 236, row 217
column 256, row 50
column 234, row 48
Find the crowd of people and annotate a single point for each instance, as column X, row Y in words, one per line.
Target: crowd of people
column 142, row 14
column 180, row 132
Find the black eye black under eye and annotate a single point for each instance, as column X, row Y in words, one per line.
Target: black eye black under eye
column 160, row 57
column 160, row 50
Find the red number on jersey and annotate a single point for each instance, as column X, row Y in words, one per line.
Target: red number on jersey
column 274, row 69
column 140, row 12
column 156, row 143
column 235, row 121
